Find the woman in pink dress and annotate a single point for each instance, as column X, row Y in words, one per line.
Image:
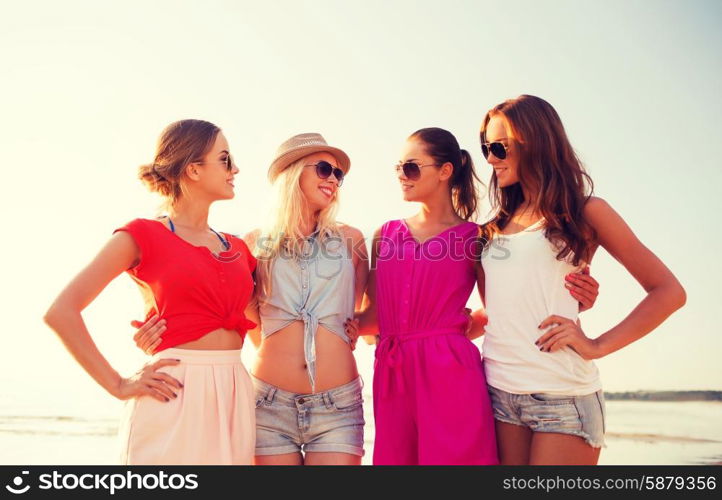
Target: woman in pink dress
column 431, row 404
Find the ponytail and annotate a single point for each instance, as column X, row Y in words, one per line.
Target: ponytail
column 443, row 147
column 464, row 190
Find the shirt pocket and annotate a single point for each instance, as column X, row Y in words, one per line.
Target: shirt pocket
column 329, row 260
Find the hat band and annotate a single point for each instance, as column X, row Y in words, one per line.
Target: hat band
column 307, row 143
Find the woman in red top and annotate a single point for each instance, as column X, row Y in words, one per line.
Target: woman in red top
column 199, row 408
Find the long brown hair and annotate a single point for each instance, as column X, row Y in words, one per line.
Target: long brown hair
column 180, row 143
column 443, row 147
column 548, row 167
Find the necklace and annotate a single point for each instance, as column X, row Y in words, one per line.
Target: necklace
column 225, row 243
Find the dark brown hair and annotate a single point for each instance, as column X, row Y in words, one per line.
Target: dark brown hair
column 443, row 147
column 180, row 143
column 548, row 167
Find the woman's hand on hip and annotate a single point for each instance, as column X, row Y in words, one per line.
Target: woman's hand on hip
column 566, row 333
column 149, row 382
column 469, row 321
column 351, row 327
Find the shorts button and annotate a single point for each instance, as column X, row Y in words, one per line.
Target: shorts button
column 301, row 401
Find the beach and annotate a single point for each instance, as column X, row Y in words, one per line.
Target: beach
column 69, row 420
column 89, row 86
column 638, row 433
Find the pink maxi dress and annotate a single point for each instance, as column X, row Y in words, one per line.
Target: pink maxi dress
column 431, row 403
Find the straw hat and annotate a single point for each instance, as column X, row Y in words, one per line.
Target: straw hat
column 302, row 145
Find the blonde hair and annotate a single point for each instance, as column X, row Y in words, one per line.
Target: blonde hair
column 282, row 234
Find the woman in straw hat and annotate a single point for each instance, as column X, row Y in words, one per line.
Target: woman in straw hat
column 311, row 275
column 193, row 402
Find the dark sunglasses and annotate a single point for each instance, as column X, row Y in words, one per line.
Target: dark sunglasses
column 412, row 170
column 324, row 170
column 227, row 161
column 496, row 148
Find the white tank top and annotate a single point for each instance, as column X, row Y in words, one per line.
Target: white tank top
column 524, row 285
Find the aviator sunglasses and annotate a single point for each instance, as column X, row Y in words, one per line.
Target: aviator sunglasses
column 227, row 161
column 324, row 170
column 411, row 169
column 496, row 148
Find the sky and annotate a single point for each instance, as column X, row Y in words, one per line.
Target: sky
column 87, row 87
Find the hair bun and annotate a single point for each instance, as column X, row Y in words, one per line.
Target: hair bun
column 155, row 181
column 154, row 168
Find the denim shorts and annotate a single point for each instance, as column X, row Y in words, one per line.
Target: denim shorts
column 330, row 421
column 581, row 416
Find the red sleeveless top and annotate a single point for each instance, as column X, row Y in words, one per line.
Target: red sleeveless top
column 194, row 290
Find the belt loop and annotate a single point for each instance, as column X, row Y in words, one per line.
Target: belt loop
column 269, row 395
column 327, row 399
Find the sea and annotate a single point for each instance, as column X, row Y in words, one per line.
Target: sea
column 68, row 420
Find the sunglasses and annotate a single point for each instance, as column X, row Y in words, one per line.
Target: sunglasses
column 411, row 169
column 227, row 161
column 496, row 148
column 324, row 170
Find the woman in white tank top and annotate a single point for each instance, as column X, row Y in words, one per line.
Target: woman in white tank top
column 545, row 388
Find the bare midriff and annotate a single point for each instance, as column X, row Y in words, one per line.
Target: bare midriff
column 280, row 360
column 220, row 339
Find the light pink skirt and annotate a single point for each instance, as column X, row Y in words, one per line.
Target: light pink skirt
column 211, row 422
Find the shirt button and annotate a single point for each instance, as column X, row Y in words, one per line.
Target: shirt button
column 406, row 301
column 304, row 285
